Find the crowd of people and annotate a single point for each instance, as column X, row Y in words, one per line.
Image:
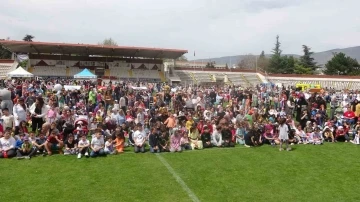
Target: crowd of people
column 96, row 119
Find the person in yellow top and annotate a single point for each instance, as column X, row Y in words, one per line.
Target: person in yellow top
column 357, row 109
column 195, row 140
column 167, row 89
column 189, row 123
column 98, row 117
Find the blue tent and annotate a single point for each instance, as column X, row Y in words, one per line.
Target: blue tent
column 85, row 74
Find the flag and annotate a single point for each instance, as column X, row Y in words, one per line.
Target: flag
column 194, row 53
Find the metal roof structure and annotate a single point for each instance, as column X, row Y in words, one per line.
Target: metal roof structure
column 90, row 49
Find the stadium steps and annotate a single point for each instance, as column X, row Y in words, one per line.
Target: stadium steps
column 258, row 77
column 244, row 78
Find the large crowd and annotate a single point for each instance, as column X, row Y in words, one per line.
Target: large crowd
column 91, row 118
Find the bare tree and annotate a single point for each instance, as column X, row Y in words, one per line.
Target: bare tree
column 248, row 62
column 108, row 42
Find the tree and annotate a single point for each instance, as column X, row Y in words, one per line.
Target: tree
column 341, row 64
column 210, row 65
column 300, row 69
column 23, row 64
column 263, row 62
column 4, row 53
column 182, row 58
column 277, row 51
column 276, row 63
column 28, row 37
column 306, row 60
column 226, row 66
column 248, row 62
column 108, row 42
column 287, row 63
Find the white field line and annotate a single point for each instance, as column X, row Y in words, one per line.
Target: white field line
column 191, row 194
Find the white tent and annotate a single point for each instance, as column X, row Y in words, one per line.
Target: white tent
column 19, row 72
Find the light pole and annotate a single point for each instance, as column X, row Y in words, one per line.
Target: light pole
column 256, row 63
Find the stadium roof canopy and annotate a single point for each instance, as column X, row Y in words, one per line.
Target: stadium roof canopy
column 88, row 49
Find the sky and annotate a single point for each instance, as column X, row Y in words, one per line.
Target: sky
column 210, row 28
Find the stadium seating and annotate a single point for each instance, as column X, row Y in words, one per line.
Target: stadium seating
column 122, row 72
column 74, row 70
column 52, row 71
column 184, row 76
column 6, row 67
column 235, row 78
column 336, row 84
column 145, row 69
column 252, row 78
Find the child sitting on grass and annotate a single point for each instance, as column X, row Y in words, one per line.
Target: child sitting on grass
column 109, row 146
column 97, row 144
column 154, row 141
column 316, row 137
column 26, row 151
column 7, row 145
column 38, row 143
column 357, row 137
column 119, row 141
column 301, row 135
column 175, row 140
column 184, row 141
column 139, row 139
column 83, row 147
column 240, row 133
column 70, row 146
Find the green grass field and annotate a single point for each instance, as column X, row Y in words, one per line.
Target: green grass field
column 328, row 172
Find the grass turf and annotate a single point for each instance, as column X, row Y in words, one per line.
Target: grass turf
column 308, row 173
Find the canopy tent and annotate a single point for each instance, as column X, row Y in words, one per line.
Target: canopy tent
column 85, row 74
column 19, row 72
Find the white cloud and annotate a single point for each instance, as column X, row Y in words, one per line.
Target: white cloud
column 213, row 28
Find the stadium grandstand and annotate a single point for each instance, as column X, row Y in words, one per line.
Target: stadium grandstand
column 63, row 60
column 107, row 62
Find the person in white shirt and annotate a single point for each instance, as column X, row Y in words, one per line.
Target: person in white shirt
column 139, row 138
column 122, row 103
column 8, row 119
column 19, row 111
column 116, row 105
column 273, row 111
column 115, row 116
column 97, row 145
column 7, row 146
column 217, row 137
column 140, row 116
column 83, row 146
column 109, row 146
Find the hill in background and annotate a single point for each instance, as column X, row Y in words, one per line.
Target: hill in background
column 320, row 57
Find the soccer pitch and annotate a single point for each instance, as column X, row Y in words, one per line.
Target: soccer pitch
column 327, row 172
